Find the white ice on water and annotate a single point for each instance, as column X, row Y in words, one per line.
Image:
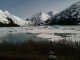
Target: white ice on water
column 47, row 32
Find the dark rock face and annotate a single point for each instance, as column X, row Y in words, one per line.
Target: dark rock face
column 11, row 24
column 70, row 16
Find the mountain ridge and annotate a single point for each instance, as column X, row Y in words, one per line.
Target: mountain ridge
column 69, row 16
column 41, row 17
column 7, row 20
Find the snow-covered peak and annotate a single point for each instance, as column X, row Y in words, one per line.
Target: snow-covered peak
column 73, row 11
column 3, row 18
column 16, row 19
column 41, row 16
column 2, row 14
column 52, row 13
column 69, row 16
column 7, row 18
column 6, row 12
column 77, row 4
column 44, row 16
column 1, row 11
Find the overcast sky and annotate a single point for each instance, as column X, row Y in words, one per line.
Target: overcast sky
column 26, row 8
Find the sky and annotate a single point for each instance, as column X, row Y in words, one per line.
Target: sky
column 27, row 8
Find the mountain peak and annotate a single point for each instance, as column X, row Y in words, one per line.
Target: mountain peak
column 6, row 18
column 70, row 16
column 41, row 12
column 52, row 13
column 44, row 16
column 6, row 12
column 78, row 3
column 41, row 16
column 1, row 11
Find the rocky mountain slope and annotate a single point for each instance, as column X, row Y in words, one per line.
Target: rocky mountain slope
column 70, row 16
column 40, row 18
column 9, row 20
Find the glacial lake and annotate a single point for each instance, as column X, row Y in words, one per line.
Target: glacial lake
column 53, row 33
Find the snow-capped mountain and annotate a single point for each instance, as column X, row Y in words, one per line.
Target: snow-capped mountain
column 3, row 18
column 52, row 13
column 39, row 18
column 70, row 16
column 7, row 19
column 16, row 19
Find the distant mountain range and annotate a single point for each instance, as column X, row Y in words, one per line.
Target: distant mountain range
column 40, row 18
column 9, row 20
column 69, row 16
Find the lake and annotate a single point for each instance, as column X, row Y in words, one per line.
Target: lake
column 53, row 33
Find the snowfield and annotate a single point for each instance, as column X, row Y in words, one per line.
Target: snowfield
column 53, row 33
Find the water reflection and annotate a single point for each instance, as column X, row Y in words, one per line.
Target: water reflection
column 16, row 37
